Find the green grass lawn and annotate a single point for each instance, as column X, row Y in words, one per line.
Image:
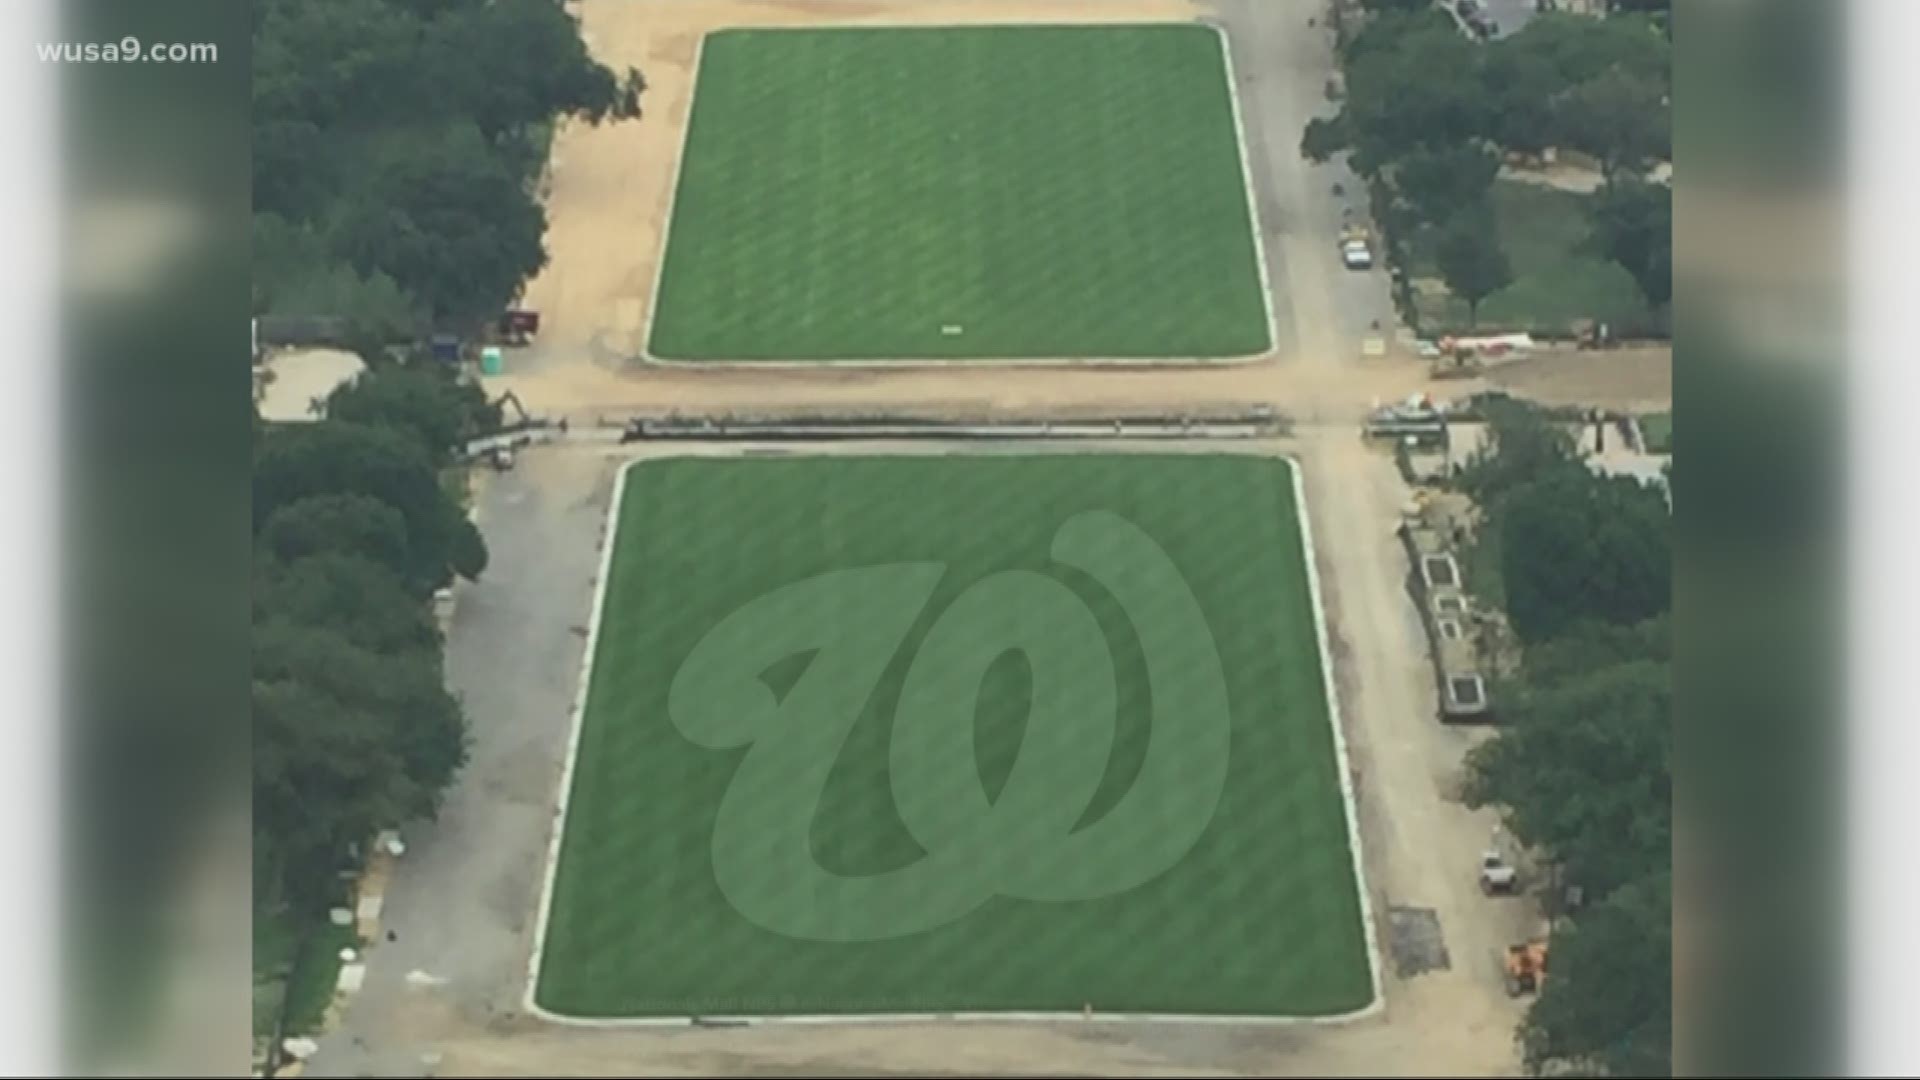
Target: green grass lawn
column 1255, row 912
column 1657, row 430
column 276, row 941
column 1554, row 281
column 315, row 976
column 1054, row 192
column 296, row 966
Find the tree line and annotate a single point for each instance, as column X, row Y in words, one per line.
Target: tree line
column 354, row 530
column 397, row 148
column 1582, row 769
column 1428, row 115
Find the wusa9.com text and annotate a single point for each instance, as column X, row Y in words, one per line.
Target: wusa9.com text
column 128, row 50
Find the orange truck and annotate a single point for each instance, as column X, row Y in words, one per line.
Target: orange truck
column 1526, row 967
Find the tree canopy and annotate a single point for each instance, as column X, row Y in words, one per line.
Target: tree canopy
column 1619, row 118
column 1633, row 226
column 1581, row 769
column 1471, row 260
column 1428, row 115
column 1607, row 1007
column 1417, row 89
column 1521, row 86
column 346, row 741
column 396, row 144
column 343, row 523
column 362, row 599
column 354, row 730
column 1439, row 184
column 1522, row 445
column 1578, row 547
column 342, row 458
column 419, row 399
column 1414, row 82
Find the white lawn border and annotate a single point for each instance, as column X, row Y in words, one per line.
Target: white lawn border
column 1071, row 362
column 1376, row 1000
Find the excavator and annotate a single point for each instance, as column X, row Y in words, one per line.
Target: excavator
column 497, row 449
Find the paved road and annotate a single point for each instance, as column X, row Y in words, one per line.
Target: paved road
column 1282, row 67
column 461, row 900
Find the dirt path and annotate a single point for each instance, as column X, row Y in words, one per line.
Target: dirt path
column 1635, row 379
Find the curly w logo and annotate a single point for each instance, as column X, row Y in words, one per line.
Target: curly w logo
column 1024, row 843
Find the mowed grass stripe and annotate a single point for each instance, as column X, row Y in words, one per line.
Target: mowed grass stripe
column 1261, row 917
column 1056, row 192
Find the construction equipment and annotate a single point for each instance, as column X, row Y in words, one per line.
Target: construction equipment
column 1525, row 967
column 1417, row 417
column 513, row 399
column 1497, row 876
column 1454, row 361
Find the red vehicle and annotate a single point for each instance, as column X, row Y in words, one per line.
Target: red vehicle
column 519, row 325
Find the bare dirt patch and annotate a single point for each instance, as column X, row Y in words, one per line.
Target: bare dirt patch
column 1634, row 379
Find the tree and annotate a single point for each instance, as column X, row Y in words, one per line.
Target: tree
column 1582, row 770
column 1593, row 645
column 1381, row 7
column 1385, row 30
column 421, row 400
column 344, row 523
column 346, row 741
column 1324, row 138
column 1577, row 547
column 296, row 273
column 446, row 219
column 1521, row 85
column 512, row 63
column 401, row 137
column 321, row 780
column 1523, row 445
column 1621, row 119
column 1607, row 1008
column 1419, row 88
column 320, row 70
column 1633, row 226
column 1579, row 48
column 340, row 458
column 1435, row 182
column 363, row 600
column 1471, row 260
